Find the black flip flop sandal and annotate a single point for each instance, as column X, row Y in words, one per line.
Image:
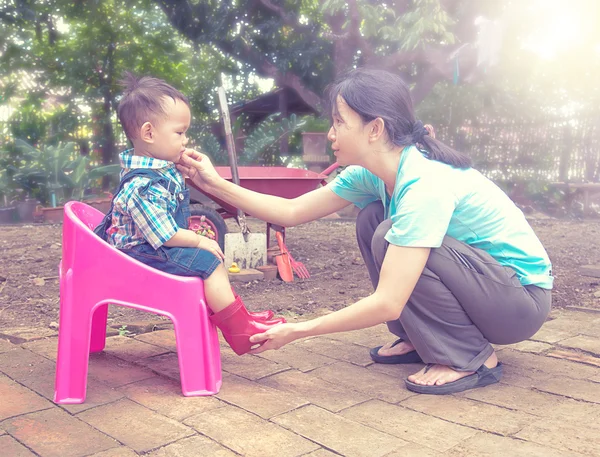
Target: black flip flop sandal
column 409, row 357
column 484, row 376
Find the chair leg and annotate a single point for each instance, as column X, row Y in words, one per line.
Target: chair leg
column 99, row 319
column 198, row 352
column 73, row 349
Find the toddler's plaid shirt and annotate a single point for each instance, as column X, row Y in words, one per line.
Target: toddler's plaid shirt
column 136, row 218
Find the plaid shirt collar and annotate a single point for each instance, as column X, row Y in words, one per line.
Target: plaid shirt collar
column 129, row 160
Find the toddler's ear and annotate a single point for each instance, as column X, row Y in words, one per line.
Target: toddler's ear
column 147, row 132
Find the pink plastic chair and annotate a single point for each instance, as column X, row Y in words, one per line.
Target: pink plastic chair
column 94, row 274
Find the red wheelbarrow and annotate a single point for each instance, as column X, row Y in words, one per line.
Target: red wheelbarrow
column 278, row 181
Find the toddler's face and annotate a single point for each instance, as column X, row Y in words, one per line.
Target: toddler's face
column 170, row 132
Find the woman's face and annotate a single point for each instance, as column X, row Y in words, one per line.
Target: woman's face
column 347, row 134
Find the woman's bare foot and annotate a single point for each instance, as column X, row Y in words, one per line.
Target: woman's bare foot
column 441, row 374
column 404, row 347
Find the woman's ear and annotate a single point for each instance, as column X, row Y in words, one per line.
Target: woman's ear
column 376, row 129
column 147, row 132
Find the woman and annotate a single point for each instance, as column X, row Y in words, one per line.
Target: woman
column 453, row 261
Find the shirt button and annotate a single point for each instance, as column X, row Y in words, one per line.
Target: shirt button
column 181, row 197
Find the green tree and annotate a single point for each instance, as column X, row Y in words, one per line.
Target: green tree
column 305, row 44
column 72, row 54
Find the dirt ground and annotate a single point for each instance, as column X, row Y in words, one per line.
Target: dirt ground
column 29, row 257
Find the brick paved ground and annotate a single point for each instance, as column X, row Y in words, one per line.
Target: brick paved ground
column 316, row 398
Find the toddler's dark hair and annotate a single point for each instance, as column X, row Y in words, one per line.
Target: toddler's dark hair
column 143, row 101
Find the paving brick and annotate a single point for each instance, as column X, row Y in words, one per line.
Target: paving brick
column 486, row 444
column 399, row 371
column 427, row 431
column 575, row 355
column 5, row 345
column 257, row 398
column 593, row 331
column 250, row 366
column 97, row 394
column 547, row 364
column 253, row 437
column 325, row 394
column 120, row 451
column 527, row 400
column 46, row 347
column 135, row 426
column 12, row 448
column 164, row 396
column 18, row 335
column 530, row 346
column 584, row 342
column 31, row 370
column 415, row 450
column 162, row 338
column 38, row 374
column 166, row 365
column 560, row 329
column 369, row 337
column 522, row 376
column 16, row 399
column 581, row 437
column 339, row 434
column 193, row 446
column 144, row 326
column 131, row 349
column 55, row 433
column 370, row 383
column 320, row 453
column 296, row 357
column 347, row 352
column 115, row 372
column 573, row 388
column 471, row 413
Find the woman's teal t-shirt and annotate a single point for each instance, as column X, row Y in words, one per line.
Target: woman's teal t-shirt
column 432, row 199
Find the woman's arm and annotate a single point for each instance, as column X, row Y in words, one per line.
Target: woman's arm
column 400, row 272
column 277, row 210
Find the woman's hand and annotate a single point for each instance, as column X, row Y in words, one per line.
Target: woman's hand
column 198, row 167
column 275, row 337
column 211, row 246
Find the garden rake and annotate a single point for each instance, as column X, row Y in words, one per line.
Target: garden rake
column 299, row 268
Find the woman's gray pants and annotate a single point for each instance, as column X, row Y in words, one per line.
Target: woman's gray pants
column 463, row 301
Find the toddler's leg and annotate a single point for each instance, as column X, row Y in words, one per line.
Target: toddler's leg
column 218, row 289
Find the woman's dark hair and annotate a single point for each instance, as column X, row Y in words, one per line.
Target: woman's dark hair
column 143, row 101
column 376, row 93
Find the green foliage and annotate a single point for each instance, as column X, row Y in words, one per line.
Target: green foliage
column 57, row 170
column 262, row 144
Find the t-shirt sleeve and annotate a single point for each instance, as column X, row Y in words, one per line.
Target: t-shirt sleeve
column 356, row 185
column 150, row 213
column 422, row 216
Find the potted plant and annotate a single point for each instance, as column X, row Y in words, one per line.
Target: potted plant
column 58, row 176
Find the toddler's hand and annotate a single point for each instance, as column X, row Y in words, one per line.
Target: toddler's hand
column 210, row 246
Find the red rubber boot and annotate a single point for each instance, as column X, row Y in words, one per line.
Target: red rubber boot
column 262, row 315
column 238, row 326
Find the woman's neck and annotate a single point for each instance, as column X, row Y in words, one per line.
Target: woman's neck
column 384, row 165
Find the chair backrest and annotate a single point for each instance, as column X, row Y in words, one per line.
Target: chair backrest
column 78, row 230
